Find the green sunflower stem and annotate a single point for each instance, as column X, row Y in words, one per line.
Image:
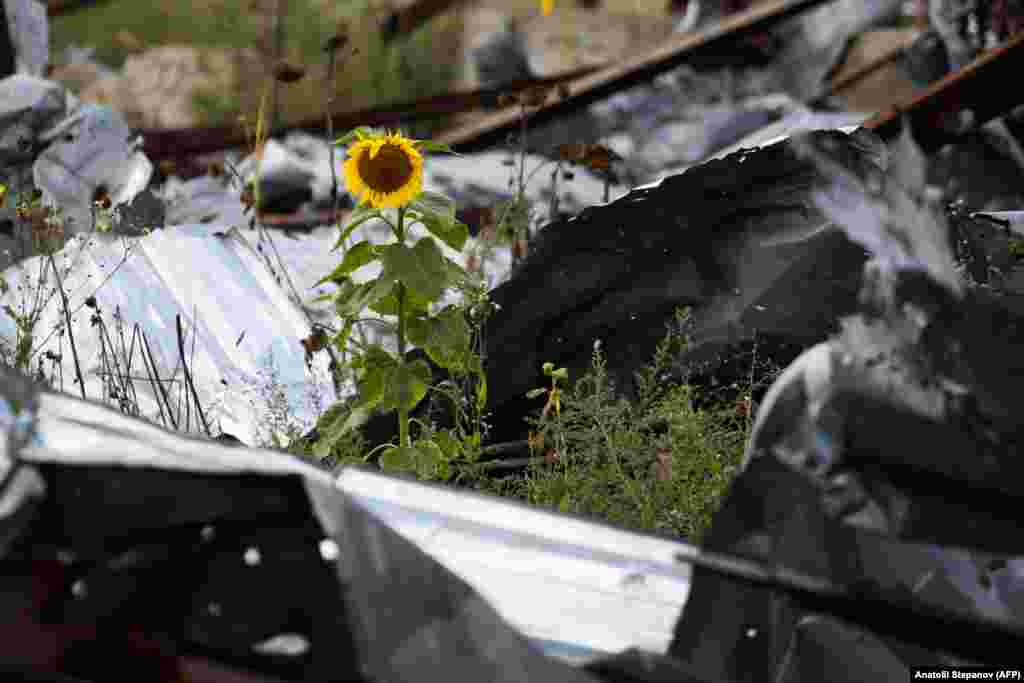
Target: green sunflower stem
column 403, row 414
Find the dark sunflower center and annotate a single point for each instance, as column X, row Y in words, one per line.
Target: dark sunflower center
column 388, row 171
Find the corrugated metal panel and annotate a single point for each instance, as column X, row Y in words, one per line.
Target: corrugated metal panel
column 578, row 588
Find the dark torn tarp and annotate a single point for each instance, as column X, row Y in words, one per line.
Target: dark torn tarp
column 883, row 461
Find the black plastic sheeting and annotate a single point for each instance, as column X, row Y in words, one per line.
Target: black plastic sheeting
column 918, row 519
column 212, row 565
column 884, row 463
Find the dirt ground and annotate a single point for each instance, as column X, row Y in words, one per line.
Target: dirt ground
column 571, row 36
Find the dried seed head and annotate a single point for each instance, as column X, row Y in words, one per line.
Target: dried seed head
column 248, row 198
column 286, row 72
column 317, row 341
column 661, row 468
column 128, row 41
column 339, row 39
column 520, row 249
column 536, row 96
column 101, row 198
column 535, row 440
column 594, row 157
column 168, row 167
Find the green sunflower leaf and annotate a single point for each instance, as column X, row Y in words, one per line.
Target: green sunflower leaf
column 443, row 471
column 434, row 203
column 359, row 416
column 455, row 273
column 362, row 295
column 331, row 428
column 377, row 355
column 371, row 392
column 360, row 132
column 431, row 462
column 417, row 329
column 414, row 304
column 406, row 386
column 320, row 298
column 481, row 393
column 451, row 447
column 360, row 215
column 346, row 288
column 375, row 368
column 445, row 338
column 340, row 340
column 437, row 213
column 355, row 258
column 399, row 459
column 431, row 146
column 420, row 268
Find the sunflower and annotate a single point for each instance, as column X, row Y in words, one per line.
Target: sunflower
column 547, row 6
column 385, row 170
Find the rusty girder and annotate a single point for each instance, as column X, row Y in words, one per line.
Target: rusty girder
column 674, row 52
column 985, row 87
column 182, row 145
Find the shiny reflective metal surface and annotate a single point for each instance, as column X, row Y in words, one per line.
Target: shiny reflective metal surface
column 577, row 588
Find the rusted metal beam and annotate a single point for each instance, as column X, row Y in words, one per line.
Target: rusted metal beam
column 182, row 144
column 860, row 74
column 672, row 53
column 407, row 19
column 55, row 8
column 980, row 86
column 986, row 87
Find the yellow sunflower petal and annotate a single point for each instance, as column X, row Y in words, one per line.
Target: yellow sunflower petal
column 384, row 170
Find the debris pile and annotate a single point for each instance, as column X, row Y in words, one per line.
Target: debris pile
column 876, row 499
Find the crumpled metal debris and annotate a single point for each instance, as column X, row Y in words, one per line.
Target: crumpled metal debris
column 69, row 150
column 20, row 487
column 883, row 461
column 89, row 151
column 26, row 23
column 815, row 42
